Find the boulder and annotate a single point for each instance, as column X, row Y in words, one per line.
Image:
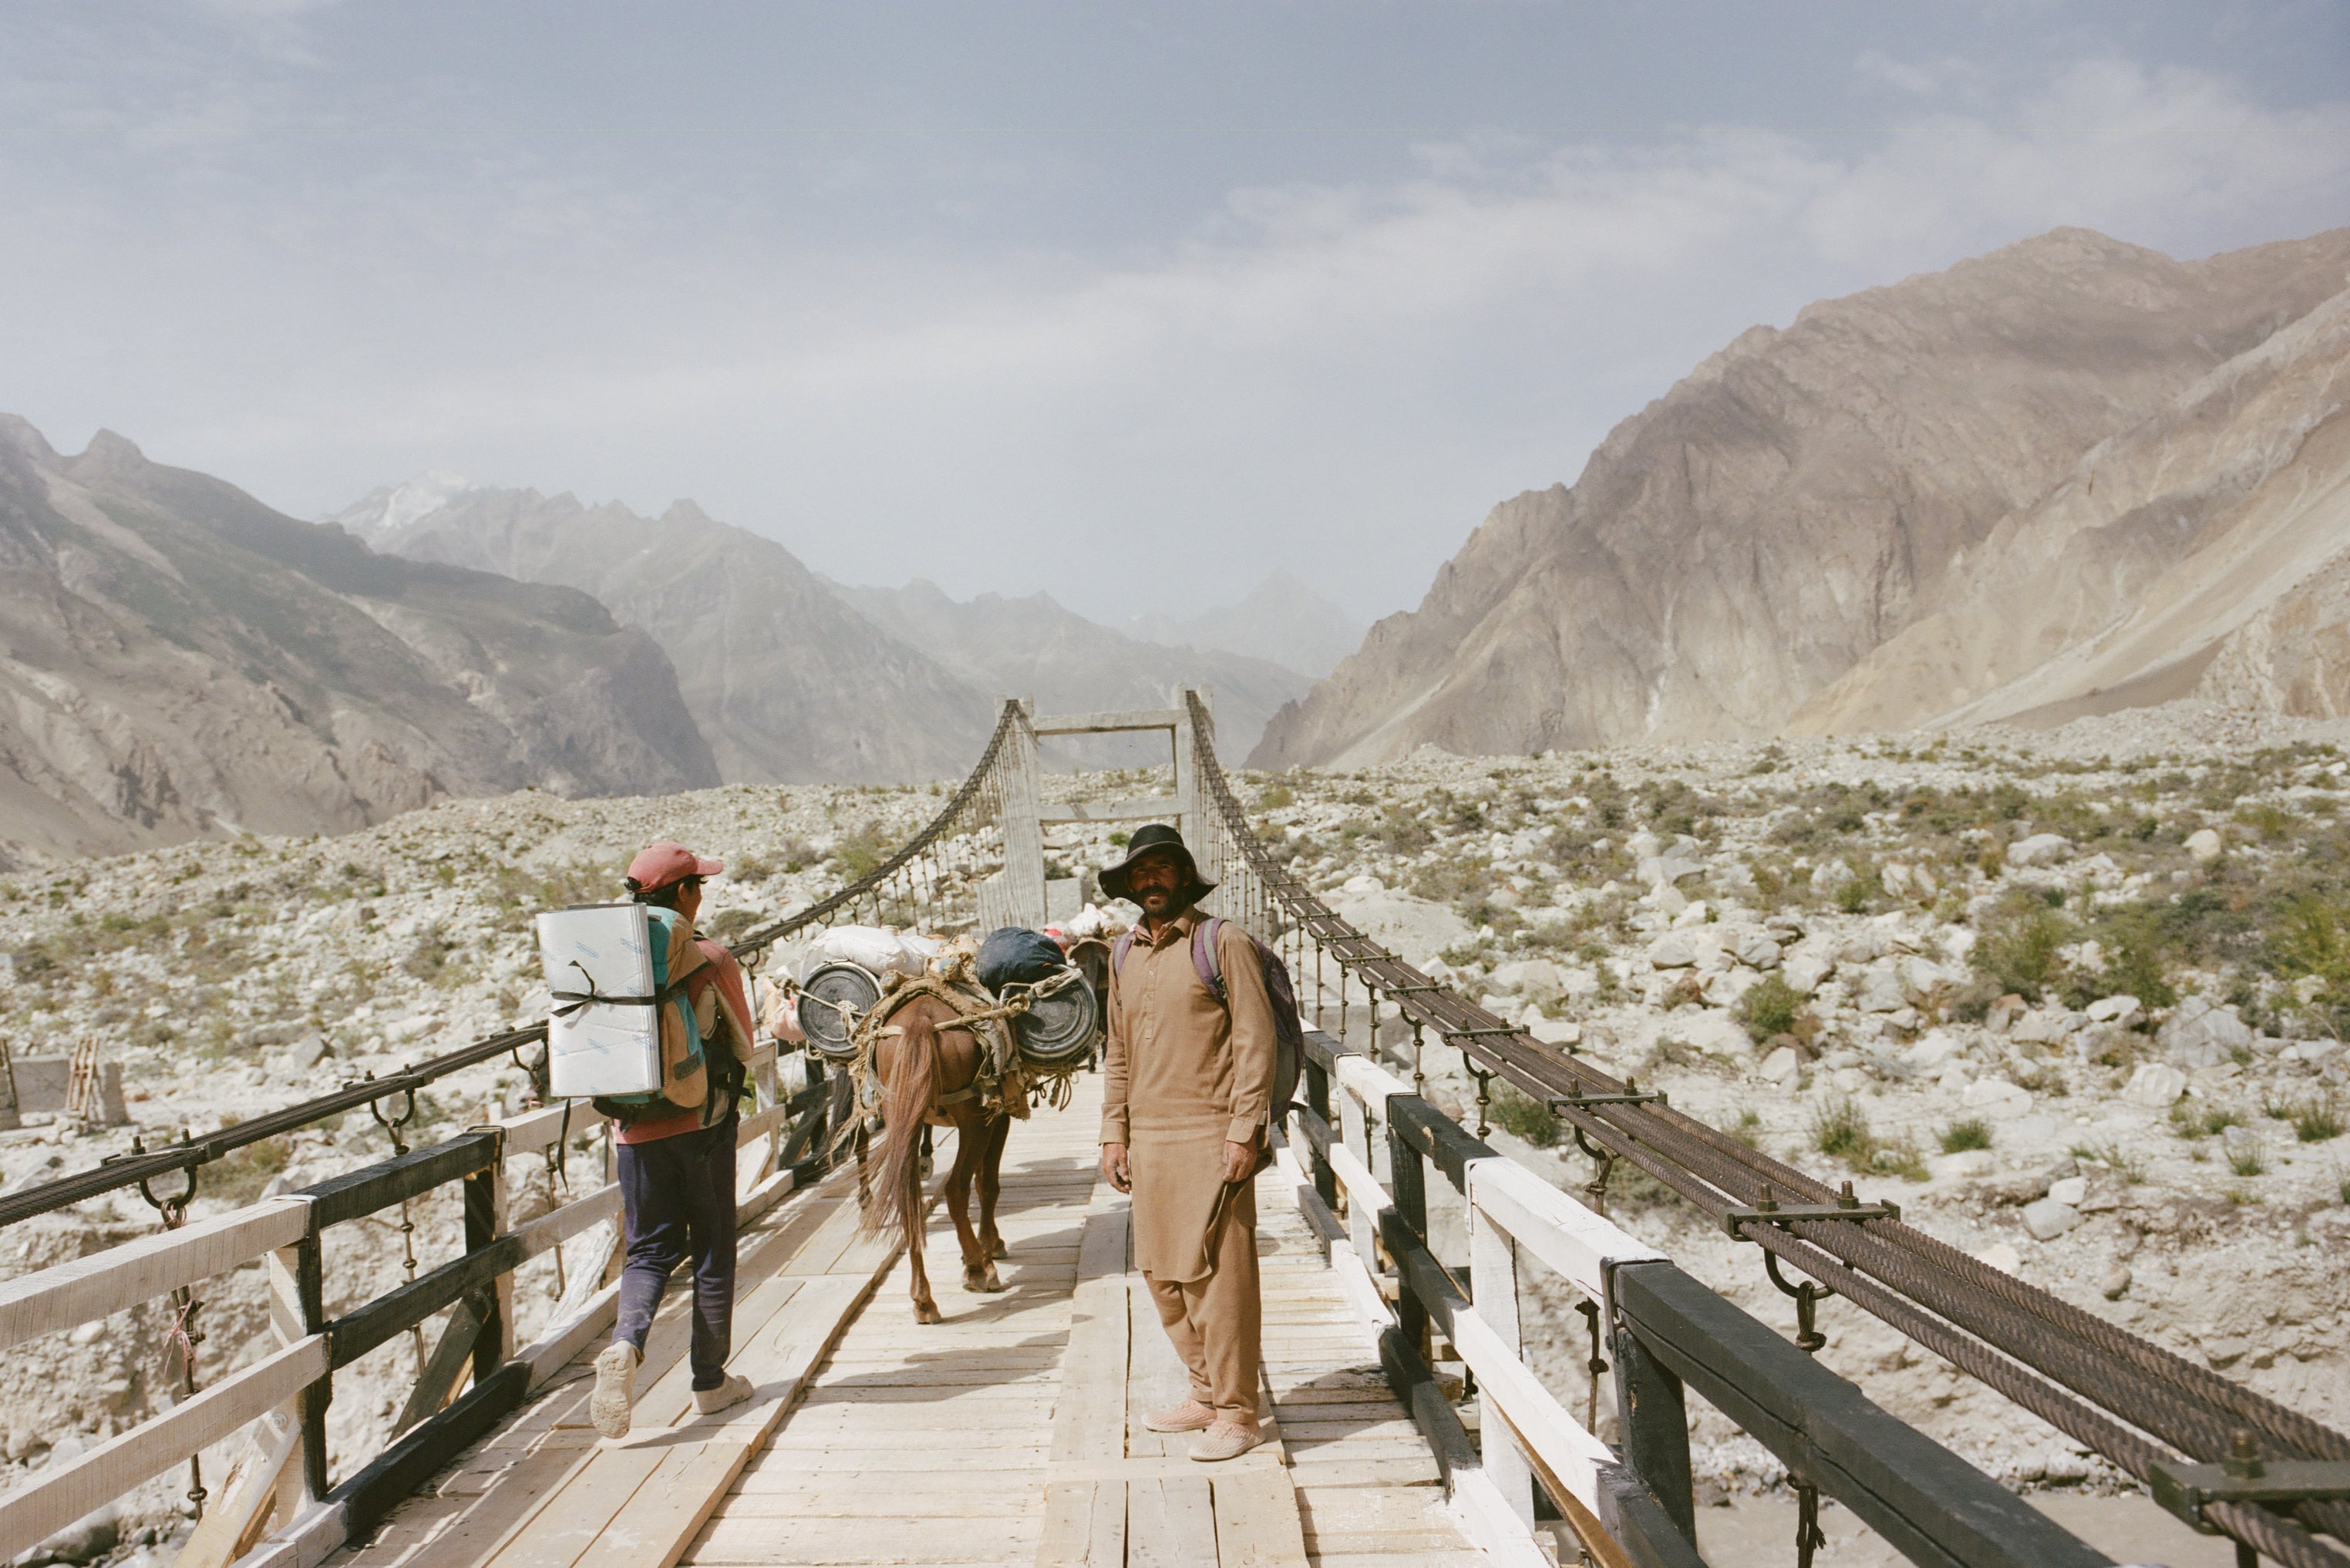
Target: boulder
column 1362, row 887
column 1556, row 1032
column 2155, row 1087
column 1921, row 978
column 1536, row 978
column 2204, row 846
column 1931, row 1052
column 2002, row 1256
column 2002, row 1013
column 1828, row 875
column 1672, row 952
column 1997, row 1099
column 1414, row 929
column 1880, row 989
column 2198, row 1035
column 1781, row 1065
column 1664, row 870
column 2121, row 1010
column 2116, row 1283
column 1724, row 988
column 2070, row 1191
column 2048, row 1218
column 1713, row 1032
column 305, row 1054
column 1755, row 950
column 2039, row 849
column 2042, row 1026
column 1807, row 972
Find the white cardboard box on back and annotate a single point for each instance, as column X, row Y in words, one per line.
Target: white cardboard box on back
column 603, row 1048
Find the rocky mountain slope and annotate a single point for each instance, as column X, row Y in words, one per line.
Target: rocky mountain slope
column 1033, row 647
column 2142, row 574
column 789, row 684
column 1282, row 619
column 1807, row 497
column 181, row 660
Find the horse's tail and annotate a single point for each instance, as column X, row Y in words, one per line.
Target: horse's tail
column 907, row 1101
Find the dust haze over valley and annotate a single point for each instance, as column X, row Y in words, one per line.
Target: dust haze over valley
column 1807, row 562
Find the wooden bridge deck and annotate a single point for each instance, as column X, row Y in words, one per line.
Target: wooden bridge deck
column 1009, row 1433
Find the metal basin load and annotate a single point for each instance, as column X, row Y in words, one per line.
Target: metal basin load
column 1058, row 1028
column 832, row 999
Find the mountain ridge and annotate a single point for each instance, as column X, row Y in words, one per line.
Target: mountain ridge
column 183, row 661
column 1797, row 501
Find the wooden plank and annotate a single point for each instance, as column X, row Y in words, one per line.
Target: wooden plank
column 1580, row 1244
column 534, row 1130
column 66, row 1295
column 1108, row 722
column 1170, row 1523
column 1085, row 1524
column 541, row 1234
column 1528, row 1410
column 1257, row 1522
column 616, row 1511
column 1142, row 809
column 66, row 1493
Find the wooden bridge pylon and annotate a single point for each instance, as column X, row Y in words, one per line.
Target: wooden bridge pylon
column 1022, row 895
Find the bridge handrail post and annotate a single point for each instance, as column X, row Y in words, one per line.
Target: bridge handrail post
column 297, row 1310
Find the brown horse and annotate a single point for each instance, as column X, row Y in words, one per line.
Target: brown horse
column 928, row 1057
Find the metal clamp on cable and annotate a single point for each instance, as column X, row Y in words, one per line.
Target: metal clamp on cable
column 2245, row 1477
column 1769, row 1210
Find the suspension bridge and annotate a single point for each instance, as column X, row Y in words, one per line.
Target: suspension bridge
column 1398, row 1246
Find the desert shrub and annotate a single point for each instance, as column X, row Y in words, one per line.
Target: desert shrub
column 1840, row 1130
column 2313, row 939
column 2136, row 953
column 2315, row 1120
column 857, row 854
column 2017, row 949
column 1770, row 1007
column 1973, row 1132
column 1521, row 1116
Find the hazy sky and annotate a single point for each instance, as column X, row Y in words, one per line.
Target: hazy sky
column 1075, row 297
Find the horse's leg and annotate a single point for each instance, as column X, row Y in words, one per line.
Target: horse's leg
column 926, row 1306
column 926, row 1149
column 977, row 1275
column 991, row 1182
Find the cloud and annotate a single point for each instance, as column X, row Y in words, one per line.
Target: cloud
column 1337, row 375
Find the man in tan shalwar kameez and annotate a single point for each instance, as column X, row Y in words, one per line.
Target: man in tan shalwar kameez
column 1188, row 1090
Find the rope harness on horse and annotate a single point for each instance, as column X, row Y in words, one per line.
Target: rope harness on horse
column 1007, row 1084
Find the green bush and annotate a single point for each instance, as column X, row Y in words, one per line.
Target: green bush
column 1770, row 1007
column 1523, row 1116
column 2017, row 949
column 1840, row 1130
column 1961, row 1136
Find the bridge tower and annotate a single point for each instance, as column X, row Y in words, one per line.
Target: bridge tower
column 1020, row 894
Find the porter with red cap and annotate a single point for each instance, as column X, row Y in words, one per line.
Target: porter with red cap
column 677, row 1157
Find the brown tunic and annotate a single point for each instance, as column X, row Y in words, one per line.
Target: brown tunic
column 1181, row 1076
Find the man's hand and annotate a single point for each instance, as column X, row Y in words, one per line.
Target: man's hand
column 1113, row 1168
column 1240, row 1160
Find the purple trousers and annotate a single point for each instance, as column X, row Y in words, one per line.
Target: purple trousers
column 677, row 1201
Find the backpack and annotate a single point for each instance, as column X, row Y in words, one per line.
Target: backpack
column 685, row 1070
column 1288, row 1028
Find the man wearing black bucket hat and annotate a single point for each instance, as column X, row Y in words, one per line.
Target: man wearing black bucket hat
column 1188, row 1090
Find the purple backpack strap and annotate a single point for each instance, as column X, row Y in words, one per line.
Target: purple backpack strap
column 1206, row 962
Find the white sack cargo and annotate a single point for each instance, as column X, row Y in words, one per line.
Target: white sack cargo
column 600, row 1047
column 877, row 950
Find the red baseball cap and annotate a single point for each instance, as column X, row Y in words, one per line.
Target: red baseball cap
column 658, row 865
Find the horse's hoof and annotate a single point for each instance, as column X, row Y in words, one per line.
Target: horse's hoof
column 927, row 1312
column 982, row 1280
column 1000, row 1249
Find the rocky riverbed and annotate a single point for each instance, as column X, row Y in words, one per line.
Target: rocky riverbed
column 2074, row 1000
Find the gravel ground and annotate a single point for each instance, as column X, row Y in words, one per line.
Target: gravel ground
column 2073, row 999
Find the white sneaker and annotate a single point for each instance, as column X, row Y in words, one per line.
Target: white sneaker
column 726, row 1396
column 616, row 1388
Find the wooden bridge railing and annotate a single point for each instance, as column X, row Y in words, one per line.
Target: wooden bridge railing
column 1368, row 1141
column 286, row 1477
